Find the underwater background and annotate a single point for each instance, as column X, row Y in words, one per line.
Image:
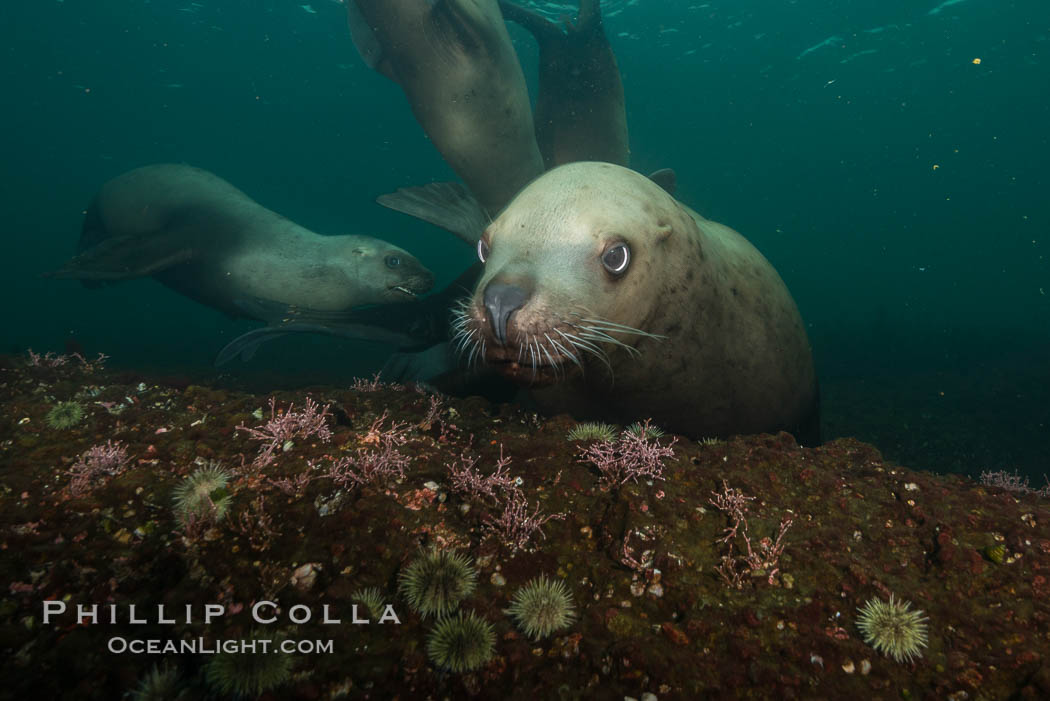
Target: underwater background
column 889, row 158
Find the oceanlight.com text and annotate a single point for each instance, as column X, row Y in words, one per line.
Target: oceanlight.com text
column 199, row 646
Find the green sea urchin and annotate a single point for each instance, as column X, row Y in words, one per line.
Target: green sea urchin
column 461, row 643
column 592, row 432
column 242, row 674
column 65, row 415
column 650, row 431
column 893, row 628
column 203, row 495
column 437, row 581
column 372, row 599
column 161, row 683
column 542, row 607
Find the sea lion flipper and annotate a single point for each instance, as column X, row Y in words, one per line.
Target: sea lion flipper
column 363, row 36
column 367, row 43
column 536, row 24
column 448, row 205
column 589, row 17
column 248, row 343
column 665, row 178
column 127, row 257
column 281, row 314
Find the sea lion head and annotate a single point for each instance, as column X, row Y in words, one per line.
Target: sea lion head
column 381, row 271
column 579, row 269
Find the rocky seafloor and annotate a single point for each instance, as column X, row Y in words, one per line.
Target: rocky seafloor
column 321, row 501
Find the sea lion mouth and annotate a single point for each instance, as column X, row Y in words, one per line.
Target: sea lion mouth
column 540, row 354
column 529, row 366
column 404, row 290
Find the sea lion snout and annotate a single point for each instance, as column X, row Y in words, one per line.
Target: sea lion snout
column 501, row 300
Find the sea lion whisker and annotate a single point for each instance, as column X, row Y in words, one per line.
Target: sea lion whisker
column 462, row 345
column 613, row 326
column 464, row 339
column 589, row 347
column 564, row 351
column 578, row 342
column 462, row 333
column 475, row 347
column 532, row 356
column 550, row 360
column 606, row 338
column 467, row 339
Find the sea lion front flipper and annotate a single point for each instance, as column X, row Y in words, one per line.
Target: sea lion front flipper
column 366, row 42
column 248, row 343
column 439, row 368
column 279, row 313
column 127, row 257
column 665, row 178
column 448, row 205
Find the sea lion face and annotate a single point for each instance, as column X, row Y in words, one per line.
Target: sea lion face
column 571, row 267
column 384, row 272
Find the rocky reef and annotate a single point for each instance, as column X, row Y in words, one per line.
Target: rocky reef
column 645, row 566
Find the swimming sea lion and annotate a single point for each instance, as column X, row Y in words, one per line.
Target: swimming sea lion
column 580, row 113
column 612, row 301
column 456, row 65
column 204, row 238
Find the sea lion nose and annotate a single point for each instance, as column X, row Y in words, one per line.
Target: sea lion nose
column 502, row 300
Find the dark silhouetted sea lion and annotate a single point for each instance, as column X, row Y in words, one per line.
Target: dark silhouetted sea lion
column 580, row 113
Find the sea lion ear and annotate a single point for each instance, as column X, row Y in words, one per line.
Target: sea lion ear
column 665, row 178
column 663, row 231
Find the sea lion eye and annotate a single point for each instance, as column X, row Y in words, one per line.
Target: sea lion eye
column 616, row 258
column 392, row 261
column 483, row 250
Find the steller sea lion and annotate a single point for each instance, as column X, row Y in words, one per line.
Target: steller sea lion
column 610, row 300
column 456, row 65
column 204, row 238
column 580, row 113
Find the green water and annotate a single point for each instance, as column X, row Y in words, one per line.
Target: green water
column 897, row 184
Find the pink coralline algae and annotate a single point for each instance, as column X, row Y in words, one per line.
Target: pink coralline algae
column 285, row 426
column 54, row 360
column 1012, row 482
column 370, row 465
column 516, row 526
column 95, row 464
column 465, row 478
column 632, row 456
column 763, row 558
